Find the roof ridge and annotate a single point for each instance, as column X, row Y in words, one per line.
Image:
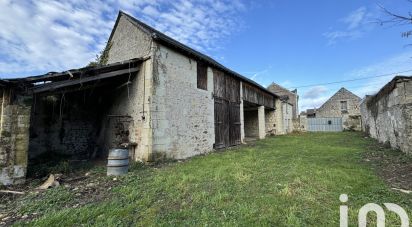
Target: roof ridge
column 157, row 35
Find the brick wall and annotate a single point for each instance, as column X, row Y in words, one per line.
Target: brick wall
column 14, row 138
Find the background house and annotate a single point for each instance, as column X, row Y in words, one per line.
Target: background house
column 290, row 97
column 339, row 112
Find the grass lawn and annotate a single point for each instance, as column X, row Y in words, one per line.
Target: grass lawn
column 292, row 180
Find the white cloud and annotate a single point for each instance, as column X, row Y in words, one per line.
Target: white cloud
column 356, row 23
column 400, row 64
column 310, row 103
column 355, row 18
column 315, row 92
column 52, row 35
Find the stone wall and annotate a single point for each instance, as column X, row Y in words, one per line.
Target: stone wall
column 352, row 122
column 14, row 136
column 182, row 114
column 130, row 112
column 332, row 107
column 126, row 43
column 293, row 97
column 303, row 123
column 287, row 113
column 251, row 122
column 270, row 122
column 387, row 116
column 64, row 124
column 279, row 129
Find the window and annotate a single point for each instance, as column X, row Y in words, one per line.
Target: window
column 343, row 105
column 201, row 76
column 329, row 122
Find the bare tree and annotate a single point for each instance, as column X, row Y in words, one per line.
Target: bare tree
column 397, row 19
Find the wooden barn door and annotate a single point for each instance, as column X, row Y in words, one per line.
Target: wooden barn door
column 227, row 110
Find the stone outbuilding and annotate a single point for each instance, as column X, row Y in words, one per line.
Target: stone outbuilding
column 343, row 104
column 387, row 116
column 288, row 96
column 151, row 94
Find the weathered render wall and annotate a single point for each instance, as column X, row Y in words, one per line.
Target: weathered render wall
column 279, row 129
column 182, row 114
column 126, row 43
column 388, row 117
column 127, row 120
column 332, row 108
column 287, row 112
column 293, row 97
column 14, row 137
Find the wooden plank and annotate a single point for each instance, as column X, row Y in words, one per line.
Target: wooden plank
column 227, row 110
column 66, row 83
column 201, row 76
column 256, row 96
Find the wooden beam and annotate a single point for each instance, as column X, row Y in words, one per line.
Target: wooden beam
column 61, row 84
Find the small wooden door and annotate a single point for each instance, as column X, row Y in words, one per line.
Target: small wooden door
column 227, row 110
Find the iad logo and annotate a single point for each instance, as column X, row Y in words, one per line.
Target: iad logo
column 380, row 213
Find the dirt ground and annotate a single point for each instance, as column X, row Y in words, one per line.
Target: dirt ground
column 391, row 165
column 88, row 185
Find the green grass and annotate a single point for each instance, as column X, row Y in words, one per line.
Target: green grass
column 292, row 180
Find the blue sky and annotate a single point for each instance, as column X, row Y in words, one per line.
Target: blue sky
column 292, row 43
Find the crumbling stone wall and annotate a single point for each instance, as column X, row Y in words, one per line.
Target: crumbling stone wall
column 351, row 122
column 303, row 123
column 14, row 136
column 387, row 116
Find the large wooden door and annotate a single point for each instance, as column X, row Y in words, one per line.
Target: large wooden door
column 227, row 110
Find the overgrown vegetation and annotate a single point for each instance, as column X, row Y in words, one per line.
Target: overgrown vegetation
column 292, row 180
column 102, row 57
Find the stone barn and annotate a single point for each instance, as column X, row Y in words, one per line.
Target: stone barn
column 387, row 116
column 343, row 108
column 155, row 96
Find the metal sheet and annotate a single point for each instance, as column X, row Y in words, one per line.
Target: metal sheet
column 325, row 124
